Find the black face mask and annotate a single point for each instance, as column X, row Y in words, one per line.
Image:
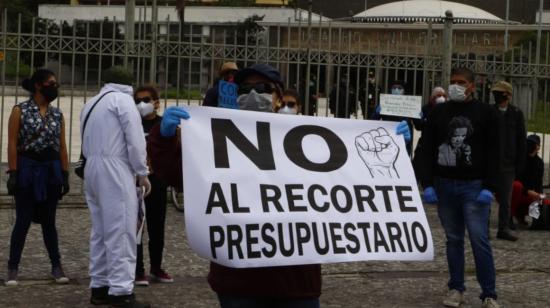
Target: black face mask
column 499, row 97
column 49, row 92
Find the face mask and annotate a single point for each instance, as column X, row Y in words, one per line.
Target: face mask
column 500, row 97
column 255, row 102
column 49, row 93
column 288, row 110
column 145, row 109
column 457, row 93
column 440, row 100
column 397, row 91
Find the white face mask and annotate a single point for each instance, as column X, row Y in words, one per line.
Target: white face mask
column 288, row 110
column 397, row 91
column 255, row 101
column 440, row 100
column 145, row 109
column 457, row 93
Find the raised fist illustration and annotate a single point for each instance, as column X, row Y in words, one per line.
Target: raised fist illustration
column 379, row 152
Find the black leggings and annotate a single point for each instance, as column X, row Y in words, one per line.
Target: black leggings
column 26, row 209
column 155, row 215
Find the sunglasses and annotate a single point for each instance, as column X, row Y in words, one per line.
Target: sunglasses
column 258, row 87
column 290, row 104
column 145, row 99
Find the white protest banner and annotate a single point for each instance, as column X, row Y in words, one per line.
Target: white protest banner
column 266, row 189
column 401, row 105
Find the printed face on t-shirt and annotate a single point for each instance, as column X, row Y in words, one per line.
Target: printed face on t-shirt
column 460, row 133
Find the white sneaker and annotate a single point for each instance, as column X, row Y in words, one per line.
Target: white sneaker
column 489, row 303
column 454, row 298
column 11, row 280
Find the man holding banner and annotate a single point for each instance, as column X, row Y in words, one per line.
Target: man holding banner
column 456, row 162
column 266, row 213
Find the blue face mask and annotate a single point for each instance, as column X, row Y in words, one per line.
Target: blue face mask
column 397, row 91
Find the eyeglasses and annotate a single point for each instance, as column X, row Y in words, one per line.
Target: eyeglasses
column 145, row 99
column 290, row 104
column 258, row 87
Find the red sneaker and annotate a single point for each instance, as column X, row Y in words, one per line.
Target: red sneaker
column 141, row 280
column 161, row 276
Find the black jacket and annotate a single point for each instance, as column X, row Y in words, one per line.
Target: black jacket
column 512, row 137
column 532, row 174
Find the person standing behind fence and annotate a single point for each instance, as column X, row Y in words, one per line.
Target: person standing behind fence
column 227, row 73
column 147, row 102
column 512, row 135
column 114, row 145
column 341, row 98
column 397, row 87
column 38, row 169
column 456, row 163
column 438, row 97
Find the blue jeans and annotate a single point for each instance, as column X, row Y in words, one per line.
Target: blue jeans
column 458, row 210
column 253, row 302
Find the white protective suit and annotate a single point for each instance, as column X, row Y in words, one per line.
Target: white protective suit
column 114, row 146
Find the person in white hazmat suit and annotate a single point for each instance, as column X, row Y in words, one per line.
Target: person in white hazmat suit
column 114, row 146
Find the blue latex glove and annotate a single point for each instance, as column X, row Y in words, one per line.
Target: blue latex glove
column 485, row 197
column 378, row 109
column 403, row 129
column 430, row 196
column 171, row 119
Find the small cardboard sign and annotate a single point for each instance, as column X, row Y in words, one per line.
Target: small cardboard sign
column 227, row 95
column 401, row 105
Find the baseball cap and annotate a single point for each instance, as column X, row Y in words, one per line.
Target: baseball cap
column 502, row 86
column 229, row 66
column 265, row 70
column 534, row 138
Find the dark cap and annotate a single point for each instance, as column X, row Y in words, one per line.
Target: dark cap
column 534, row 138
column 401, row 83
column 265, row 70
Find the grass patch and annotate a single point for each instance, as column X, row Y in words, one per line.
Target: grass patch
column 173, row 93
column 540, row 120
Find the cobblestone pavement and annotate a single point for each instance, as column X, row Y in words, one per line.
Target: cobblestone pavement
column 523, row 271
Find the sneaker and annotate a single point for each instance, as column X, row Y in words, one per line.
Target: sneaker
column 489, row 303
column 12, row 278
column 506, row 235
column 454, row 298
column 100, row 296
column 58, row 275
column 141, row 280
column 161, row 276
column 126, row 301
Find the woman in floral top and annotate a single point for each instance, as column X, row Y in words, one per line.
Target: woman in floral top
column 38, row 164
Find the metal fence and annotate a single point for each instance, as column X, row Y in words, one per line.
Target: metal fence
column 316, row 59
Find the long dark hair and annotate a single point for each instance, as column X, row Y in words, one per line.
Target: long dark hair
column 39, row 76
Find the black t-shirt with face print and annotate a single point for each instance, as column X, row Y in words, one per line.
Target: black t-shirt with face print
column 459, row 141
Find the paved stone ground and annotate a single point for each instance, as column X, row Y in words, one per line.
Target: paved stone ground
column 523, row 271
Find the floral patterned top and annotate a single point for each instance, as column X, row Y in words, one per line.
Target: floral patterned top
column 38, row 133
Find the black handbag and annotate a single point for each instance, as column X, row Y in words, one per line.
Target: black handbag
column 81, row 163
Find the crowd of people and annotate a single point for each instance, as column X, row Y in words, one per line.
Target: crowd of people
column 469, row 151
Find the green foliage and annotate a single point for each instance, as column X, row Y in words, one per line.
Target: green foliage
column 539, row 121
column 117, row 74
column 172, row 93
column 11, row 67
column 528, row 43
column 249, row 28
